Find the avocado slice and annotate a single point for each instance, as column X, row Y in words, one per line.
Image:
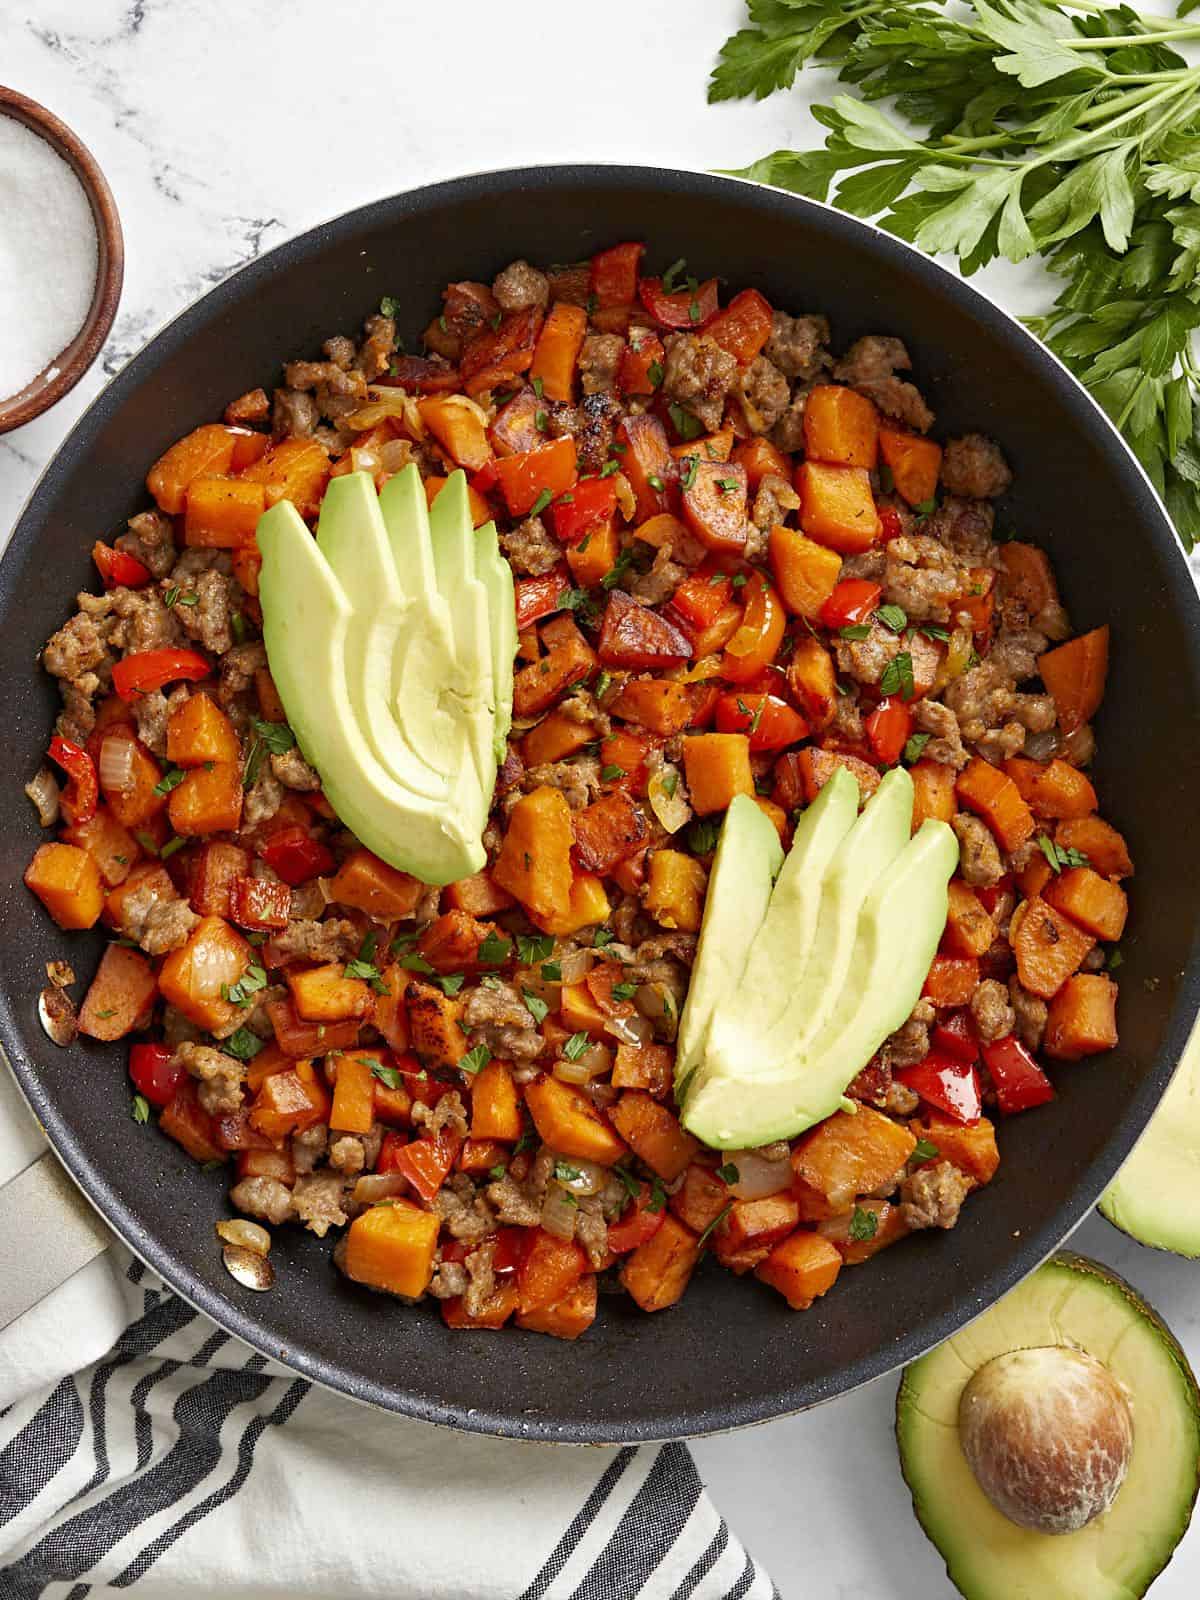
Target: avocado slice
column 496, row 576
column 384, row 663
column 1070, row 1301
column 736, row 1102
column 739, row 887
column 1156, row 1195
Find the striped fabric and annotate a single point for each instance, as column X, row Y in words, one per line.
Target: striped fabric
column 182, row 1464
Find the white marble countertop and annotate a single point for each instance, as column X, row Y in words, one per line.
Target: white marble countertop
column 224, row 126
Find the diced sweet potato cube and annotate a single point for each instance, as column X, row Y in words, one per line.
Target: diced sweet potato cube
column 366, row 883
column 717, row 767
column 647, row 1066
column 675, row 892
column 1082, row 1019
column 495, row 1104
column 568, row 659
column 647, row 463
column 260, row 904
column 837, row 507
column 915, row 464
column 840, row 426
column 391, row 1247
column 952, row 980
column 802, row 1267
column 816, row 767
column 1048, row 946
column 451, row 942
column 569, row 1122
column 636, row 637
column 812, row 681
column 587, row 905
column 199, row 731
column 293, row 469
column 714, row 504
column 136, row 803
column 209, row 800
column 1105, row 848
column 554, row 738
column 557, row 351
column 659, row 704
column 120, row 995
column 458, row 427
column 300, row 1039
column 112, row 847
column 204, row 451
column 607, row 831
column 215, row 869
column 752, row 1229
column 805, row 572
column 658, row 1271
column 192, row 977
column 933, row 792
column 595, row 555
column 353, row 1094
column 497, row 1310
column 290, row 1101
column 534, row 863
column 479, row 895
column 846, row 1156
column 221, row 513
column 701, row 1198
column 580, row 1010
column 995, row 797
column 653, row 1134
column 434, row 1033
column 969, row 929
column 186, row 1121
column 389, row 1016
column 66, row 880
column 971, row 1148
column 1053, row 789
column 1029, row 577
column 1098, row 906
column 568, row 1317
column 889, row 1226
column 1075, row 674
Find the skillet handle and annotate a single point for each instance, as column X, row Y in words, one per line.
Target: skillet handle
column 42, row 1204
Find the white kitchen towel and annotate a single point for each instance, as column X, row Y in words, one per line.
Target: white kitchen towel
column 142, row 1448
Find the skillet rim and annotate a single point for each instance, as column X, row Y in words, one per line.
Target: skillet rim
column 716, row 1415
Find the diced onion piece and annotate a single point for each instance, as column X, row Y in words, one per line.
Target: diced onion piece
column 576, row 964
column 666, row 801
column 559, row 1211
column 379, row 1186
column 210, row 971
column 43, row 790
column 241, row 1231
column 700, row 671
column 579, row 1176
column 629, row 1030
column 758, row 1177
column 1043, row 746
column 595, row 1062
column 365, row 458
column 116, row 764
column 395, row 454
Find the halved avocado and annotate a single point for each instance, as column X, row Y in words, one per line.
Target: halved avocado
column 1156, row 1195
column 1078, row 1304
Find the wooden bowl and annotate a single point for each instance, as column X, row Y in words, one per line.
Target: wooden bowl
column 66, row 369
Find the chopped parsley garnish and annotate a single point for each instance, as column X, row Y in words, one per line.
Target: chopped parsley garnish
column 655, row 482
column 540, row 504
column 898, row 676
column 389, row 1076
column 174, row 598
column 702, row 835
column 451, row 982
column 1115, row 960
column 541, row 421
column 632, row 1187
column 656, row 374
column 367, row 972
column 389, row 306
column 497, row 1172
column 693, row 309
column 755, row 716
column 855, row 631
column 914, row 747
column 577, row 1045
column 658, row 1197
column 864, row 1224
column 564, row 1172
column 573, row 599
column 727, row 485
column 242, row 1044
column 669, row 782
column 171, row 779
column 277, row 736
column 170, row 848
column 714, row 1224
column 674, row 272
column 893, row 617
column 740, row 580
column 601, row 937
column 111, row 1012
column 475, row 1060
column 687, row 425
column 610, row 468
column 141, row 1108
column 1058, row 857
column 241, row 993
column 414, row 961
column 923, row 1150
column 926, row 507
column 552, row 971
column 728, row 1173
column 615, row 573
column 603, row 684
column 532, row 948
column 254, row 761
column 932, row 631
column 610, row 773
column 147, row 843
column 537, row 1009
column 494, row 950
column 237, row 623
column 691, row 465
column 539, row 387
column 624, row 991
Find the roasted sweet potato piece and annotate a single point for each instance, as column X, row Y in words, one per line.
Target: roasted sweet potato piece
column 717, row 767
column 555, row 737
column 568, row 658
column 674, row 894
column 971, row 1148
column 714, row 504
column 1104, row 847
column 816, row 767
column 1098, row 906
column 112, row 847
column 1082, row 1019
column 120, row 994
column 969, row 929
column 648, row 1066
column 209, row 800
column 534, row 863
column 557, row 351
column 433, row 1027
column 701, row 1198
column 837, row 507
column 368, row 884
column 635, row 637
column 802, row 1267
column 654, row 1134
column 915, row 464
column 458, row 427
column 657, row 1272
column 324, row 994
column 659, row 704
column 550, row 1269
column 140, row 801
column 186, row 1121
column 215, row 868
column 846, row 1156
column 568, row 1317
column 198, row 731
column 1029, row 577
column 805, row 572
column 952, row 980
column 841, row 426
column 192, row 977
column 569, row 1122
column 451, row 942
column 995, row 797
column 391, row 1247
column 496, row 356
column 587, row 905
column 812, row 681
column 205, row 451
column 647, row 463
column 353, row 1093
column 222, row 513
column 752, row 1229
column 1053, row 789
column 607, row 831
column 290, row 1101
column 293, row 469
column 933, row 792
column 301, row 1039
column 500, row 1305
column 1075, row 674
column 1048, row 946
column 495, row 1104
column 889, row 1227
column 479, row 895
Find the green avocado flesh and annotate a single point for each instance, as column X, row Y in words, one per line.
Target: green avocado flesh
column 837, row 966
column 390, row 638
column 1073, row 1301
column 748, row 857
column 1156, row 1195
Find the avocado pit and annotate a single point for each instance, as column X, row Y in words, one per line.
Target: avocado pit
column 1048, row 1433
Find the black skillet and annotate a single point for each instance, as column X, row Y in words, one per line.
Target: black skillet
column 730, row 1353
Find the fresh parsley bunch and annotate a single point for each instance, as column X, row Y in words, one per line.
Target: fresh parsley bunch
column 1064, row 128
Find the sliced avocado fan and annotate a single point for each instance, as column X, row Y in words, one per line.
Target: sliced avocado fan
column 1156, row 1195
column 829, row 982
column 1072, row 1302
column 390, row 637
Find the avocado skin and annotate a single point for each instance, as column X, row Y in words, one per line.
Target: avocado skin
column 1015, row 1559
column 1155, row 1198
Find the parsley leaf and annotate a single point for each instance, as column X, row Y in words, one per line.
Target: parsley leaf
column 494, row 950
column 898, row 676
column 141, row 1108
column 391, row 1077
column 714, row 1225
column 855, row 631
column 577, row 1045
column 537, row 1009
column 728, row 1173
column 864, row 1224
column 893, row 617
column 451, row 982
column 552, row 971
column 475, row 1060
column 658, row 1197
column 610, row 773
column 914, row 747
column 277, row 736
column 686, row 424
column 601, row 937
column 540, row 504
column 242, row 992
column 702, row 835
column 242, row 1044
column 1060, row 858
column 171, row 779
column 923, row 1150
column 532, row 948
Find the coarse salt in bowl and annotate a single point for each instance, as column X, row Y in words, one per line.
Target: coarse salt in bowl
column 61, row 259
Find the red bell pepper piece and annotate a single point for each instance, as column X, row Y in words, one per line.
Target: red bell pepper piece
column 296, row 856
column 950, row 1086
column 389, row 1151
column 117, row 568
column 592, row 500
column 744, row 326
column 81, row 795
column 640, row 371
column 890, row 524
column 852, row 602
column 154, row 1072
column 512, row 1245
column 690, row 309
column 613, row 275
column 954, row 1035
column 705, row 698
column 427, row 1163
column 486, row 479
column 636, row 1223
column 989, row 895
column 701, row 596
column 888, row 728
column 538, row 597
column 537, row 476
column 1016, row 1077
column 767, row 718
column 148, row 670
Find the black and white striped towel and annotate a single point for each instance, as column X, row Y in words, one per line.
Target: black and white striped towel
column 141, row 1447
